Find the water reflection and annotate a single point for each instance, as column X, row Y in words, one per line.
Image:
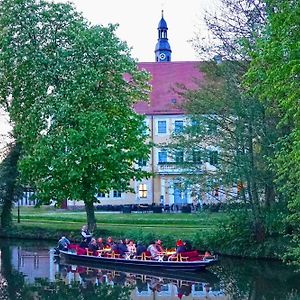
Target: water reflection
column 30, row 271
column 259, row 280
column 146, row 284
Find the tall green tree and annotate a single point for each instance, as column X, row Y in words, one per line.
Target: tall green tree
column 228, row 120
column 274, row 78
column 72, row 102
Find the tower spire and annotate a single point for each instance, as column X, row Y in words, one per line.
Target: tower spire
column 162, row 49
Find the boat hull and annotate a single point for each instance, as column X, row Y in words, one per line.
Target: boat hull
column 144, row 264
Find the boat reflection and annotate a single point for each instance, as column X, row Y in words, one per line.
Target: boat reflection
column 146, row 284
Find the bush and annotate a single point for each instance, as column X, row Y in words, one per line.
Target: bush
column 237, row 236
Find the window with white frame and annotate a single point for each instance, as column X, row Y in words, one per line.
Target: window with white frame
column 213, row 157
column 161, row 127
column 179, row 156
column 196, row 156
column 142, row 162
column 162, row 156
column 117, row 194
column 101, row 195
column 143, row 192
column 178, row 126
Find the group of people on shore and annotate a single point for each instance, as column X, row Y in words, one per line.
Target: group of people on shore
column 122, row 246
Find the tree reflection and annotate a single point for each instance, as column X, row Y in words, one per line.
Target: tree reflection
column 14, row 286
column 251, row 279
column 43, row 289
column 12, row 282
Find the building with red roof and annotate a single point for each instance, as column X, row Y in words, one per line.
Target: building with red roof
column 163, row 115
column 165, row 77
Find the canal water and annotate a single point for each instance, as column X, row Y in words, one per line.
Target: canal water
column 29, row 270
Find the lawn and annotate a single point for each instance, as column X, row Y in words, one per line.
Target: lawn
column 119, row 224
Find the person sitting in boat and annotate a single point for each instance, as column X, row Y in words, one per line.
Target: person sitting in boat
column 100, row 243
column 140, row 248
column 180, row 248
column 121, row 247
column 109, row 242
column 153, row 250
column 188, row 246
column 93, row 245
column 208, row 255
column 86, row 237
column 131, row 247
column 158, row 245
column 63, row 244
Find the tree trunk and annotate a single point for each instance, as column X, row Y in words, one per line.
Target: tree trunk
column 8, row 184
column 258, row 224
column 6, row 214
column 270, row 194
column 90, row 215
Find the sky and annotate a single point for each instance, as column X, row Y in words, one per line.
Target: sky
column 138, row 21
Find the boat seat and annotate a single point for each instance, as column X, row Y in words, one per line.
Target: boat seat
column 73, row 247
column 141, row 257
column 191, row 256
column 114, row 254
column 80, row 251
column 177, row 257
column 147, row 255
column 89, row 252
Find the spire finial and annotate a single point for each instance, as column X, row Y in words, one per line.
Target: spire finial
column 162, row 13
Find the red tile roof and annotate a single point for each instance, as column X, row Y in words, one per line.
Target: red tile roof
column 165, row 76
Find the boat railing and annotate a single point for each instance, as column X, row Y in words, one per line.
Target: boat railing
column 167, row 255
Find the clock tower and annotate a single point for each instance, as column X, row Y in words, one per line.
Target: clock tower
column 162, row 49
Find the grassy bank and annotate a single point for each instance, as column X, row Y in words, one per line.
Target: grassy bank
column 50, row 223
column 206, row 230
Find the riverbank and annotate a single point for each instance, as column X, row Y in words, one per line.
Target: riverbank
column 205, row 230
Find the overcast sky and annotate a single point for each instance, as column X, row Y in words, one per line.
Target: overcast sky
column 138, row 20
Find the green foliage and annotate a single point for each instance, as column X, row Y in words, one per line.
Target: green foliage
column 273, row 77
column 70, row 88
column 237, row 235
column 227, row 120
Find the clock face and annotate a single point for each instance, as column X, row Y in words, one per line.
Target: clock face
column 162, row 56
